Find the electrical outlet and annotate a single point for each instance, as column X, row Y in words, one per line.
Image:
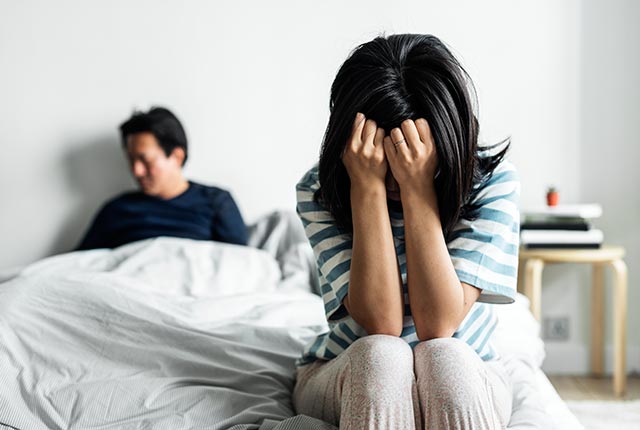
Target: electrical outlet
column 556, row 328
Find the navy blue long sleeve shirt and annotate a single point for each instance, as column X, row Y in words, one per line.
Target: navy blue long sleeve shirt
column 201, row 212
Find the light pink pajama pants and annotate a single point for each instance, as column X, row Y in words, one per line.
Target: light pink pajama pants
column 379, row 382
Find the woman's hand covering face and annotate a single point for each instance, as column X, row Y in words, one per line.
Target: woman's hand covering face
column 364, row 156
column 409, row 151
column 412, row 156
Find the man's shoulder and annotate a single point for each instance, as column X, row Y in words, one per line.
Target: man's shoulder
column 209, row 191
column 204, row 187
column 123, row 198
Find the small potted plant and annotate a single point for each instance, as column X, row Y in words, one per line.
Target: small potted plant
column 552, row 196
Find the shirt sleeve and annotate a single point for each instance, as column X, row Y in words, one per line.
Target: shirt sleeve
column 484, row 251
column 228, row 225
column 96, row 236
column 331, row 247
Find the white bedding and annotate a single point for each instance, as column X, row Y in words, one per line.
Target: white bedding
column 181, row 334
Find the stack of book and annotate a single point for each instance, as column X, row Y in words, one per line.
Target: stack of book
column 562, row 226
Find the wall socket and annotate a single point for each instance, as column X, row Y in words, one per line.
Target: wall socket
column 556, row 328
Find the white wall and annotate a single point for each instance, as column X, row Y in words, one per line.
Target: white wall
column 608, row 155
column 250, row 80
column 610, row 142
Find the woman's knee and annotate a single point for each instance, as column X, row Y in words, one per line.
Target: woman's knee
column 447, row 367
column 448, row 353
column 381, row 357
column 382, row 347
column 449, row 349
column 454, row 382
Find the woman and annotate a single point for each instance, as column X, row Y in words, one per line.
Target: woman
column 415, row 231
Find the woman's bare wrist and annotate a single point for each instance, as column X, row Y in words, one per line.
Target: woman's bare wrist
column 364, row 192
column 426, row 195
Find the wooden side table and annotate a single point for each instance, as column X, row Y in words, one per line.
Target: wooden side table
column 533, row 261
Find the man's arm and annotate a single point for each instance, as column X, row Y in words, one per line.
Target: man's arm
column 228, row 225
column 95, row 236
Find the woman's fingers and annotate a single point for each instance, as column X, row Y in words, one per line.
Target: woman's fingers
column 400, row 142
column 363, row 155
column 424, row 131
column 379, row 138
column 355, row 140
column 412, row 136
column 389, row 149
column 368, row 132
column 358, row 123
column 411, row 153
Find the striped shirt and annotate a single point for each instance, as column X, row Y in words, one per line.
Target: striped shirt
column 484, row 253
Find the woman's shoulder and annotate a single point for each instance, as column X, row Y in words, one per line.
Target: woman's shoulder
column 505, row 166
column 307, row 206
column 504, row 181
column 309, row 181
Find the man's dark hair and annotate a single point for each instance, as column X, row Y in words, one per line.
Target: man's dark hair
column 162, row 123
column 407, row 76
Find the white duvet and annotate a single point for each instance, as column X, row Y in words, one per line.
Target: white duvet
column 165, row 333
column 181, row 334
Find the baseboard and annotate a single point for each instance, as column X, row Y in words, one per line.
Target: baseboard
column 573, row 359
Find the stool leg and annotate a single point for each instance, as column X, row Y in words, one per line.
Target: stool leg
column 597, row 320
column 533, row 284
column 619, row 326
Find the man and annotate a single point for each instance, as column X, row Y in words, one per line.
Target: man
column 167, row 204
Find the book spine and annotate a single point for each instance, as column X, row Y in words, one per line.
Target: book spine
column 562, row 245
column 555, row 226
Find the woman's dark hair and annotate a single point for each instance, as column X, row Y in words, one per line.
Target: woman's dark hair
column 399, row 77
column 162, row 123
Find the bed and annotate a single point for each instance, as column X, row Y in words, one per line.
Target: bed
column 173, row 334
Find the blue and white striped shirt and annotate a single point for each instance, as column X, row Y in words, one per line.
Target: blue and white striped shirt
column 484, row 253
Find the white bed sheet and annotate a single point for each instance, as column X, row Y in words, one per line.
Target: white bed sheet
column 517, row 338
column 173, row 333
column 561, row 416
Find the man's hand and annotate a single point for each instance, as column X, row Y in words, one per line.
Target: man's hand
column 412, row 157
column 364, row 156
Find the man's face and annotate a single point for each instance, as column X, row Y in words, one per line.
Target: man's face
column 156, row 173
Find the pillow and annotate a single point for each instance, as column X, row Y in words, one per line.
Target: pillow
column 518, row 332
column 282, row 235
